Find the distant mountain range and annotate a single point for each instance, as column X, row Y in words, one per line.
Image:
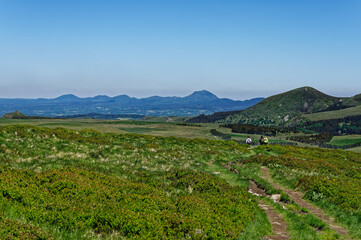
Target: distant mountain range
column 283, row 109
column 199, row 102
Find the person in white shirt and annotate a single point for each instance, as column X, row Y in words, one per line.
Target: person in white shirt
column 249, row 141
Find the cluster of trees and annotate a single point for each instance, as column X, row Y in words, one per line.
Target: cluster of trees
column 30, row 117
column 221, row 135
column 253, row 129
column 346, row 125
column 325, row 145
column 211, row 118
column 105, row 116
column 316, row 139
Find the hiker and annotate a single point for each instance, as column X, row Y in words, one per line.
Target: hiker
column 261, row 140
column 249, row 141
column 265, row 140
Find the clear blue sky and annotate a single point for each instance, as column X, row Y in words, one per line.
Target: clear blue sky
column 236, row 49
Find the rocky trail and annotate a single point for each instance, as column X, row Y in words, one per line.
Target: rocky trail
column 279, row 226
column 297, row 198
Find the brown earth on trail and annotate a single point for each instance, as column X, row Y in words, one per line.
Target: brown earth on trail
column 279, row 226
column 229, row 167
column 255, row 190
column 297, row 198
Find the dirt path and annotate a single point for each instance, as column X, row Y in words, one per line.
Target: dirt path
column 297, row 198
column 279, row 226
column 229, row 167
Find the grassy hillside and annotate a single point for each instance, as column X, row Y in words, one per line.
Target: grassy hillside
column 129, row 186
column 123, row 126
column 279, row 109
column 28, row 146
column 352, row 111
column 353, row 101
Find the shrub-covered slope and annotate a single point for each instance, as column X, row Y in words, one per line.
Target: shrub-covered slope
column 77, row 200
column 65, row 184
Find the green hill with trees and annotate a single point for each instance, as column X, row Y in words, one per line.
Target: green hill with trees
column 285, row 109
column 14, row 115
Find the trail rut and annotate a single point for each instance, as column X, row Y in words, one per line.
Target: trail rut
column 279, row 226
column 297, row 198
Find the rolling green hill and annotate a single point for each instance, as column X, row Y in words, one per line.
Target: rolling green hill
column 279, row 109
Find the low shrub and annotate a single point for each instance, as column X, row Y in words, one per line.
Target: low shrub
column 74, row 200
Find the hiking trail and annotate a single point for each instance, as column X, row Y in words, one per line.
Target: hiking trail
column 297, row 198
column 279, row 226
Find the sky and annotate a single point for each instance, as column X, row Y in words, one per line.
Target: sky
column 236, row 49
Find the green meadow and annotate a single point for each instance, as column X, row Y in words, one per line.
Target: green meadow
column 345, row 140
column 124, row 126
column 327, row 115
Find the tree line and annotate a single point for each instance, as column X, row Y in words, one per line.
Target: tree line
column 253, row 129
column 346, row 125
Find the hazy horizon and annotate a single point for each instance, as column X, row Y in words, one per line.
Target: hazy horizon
column 234, row 49
column 154, row 95
column 86, row 96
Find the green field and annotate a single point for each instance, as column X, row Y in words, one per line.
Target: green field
column 356, row 149
column 352, row 111
column 166, row 129
column 162, row 129
column 119, row 126
column 345, row 140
